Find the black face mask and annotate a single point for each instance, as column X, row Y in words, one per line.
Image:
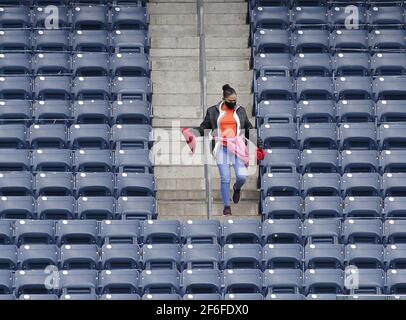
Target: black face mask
column 230, row 105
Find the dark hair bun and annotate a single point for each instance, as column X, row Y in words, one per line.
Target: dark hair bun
column 226, row 87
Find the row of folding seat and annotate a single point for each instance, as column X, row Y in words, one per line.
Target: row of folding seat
column 77, row 136
column 346, row 136
column 331, row 161
column 84, row 17
column 310, row 111
column 16, row 183
column 75, row 112
column 279, row 231
column 202, row 256
column 322, row 3
column 43, row 160
column 343, row 64
column 36, row 3
column 85, row 207
column 327, row 88
column 332, row 184
column 79, row 64
column 333, row 207
column 201, row 281
column 43, row 40
column 319, row 41
column 322, row 17
column 79, row 88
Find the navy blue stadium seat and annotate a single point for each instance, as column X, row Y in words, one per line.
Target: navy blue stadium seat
column 161, row 231
column 135, row 41
column 272, row 64
column 129, row 17
column 280, row 160
column 51, row 63
column 161, row 256
column 388, row 64
column 201, row 231
column 6, row 282
column 393, row 184
column 89, row 160
column 386, row 16
column 91, row 88
column 89, row 136
column 51, row 40
column 15, row 88
column 363, row 207
column 15, row 63
column 349, row 64
column 314, row 88
column 161, row 282
column 91, row 111
column 38, row 256
column 15, row 17
column 317, row 231
column 271, row 41
column 323, row 281
column 389, row 88
column 388, row 39
column 396, row 281
column 77, row 232
column 90, row 41
column 34, row 232
column 124, row 281
column 243, row 296
column 161, row 296
column 321, row 184
column 78, row 282
column 282, row 231
column 390, row 111
column 18, row 207
column 353, row 87
column 90, row 17
column 119, row 296
column 94, row 184
column 98, row 208
column 310, row 41
column 394, row 231
column 362, row 231
column 274, row 88
column 51, row 111
column 339, row 15
column 361, row 184
column 349, row 40
column 283, row 256
column 130, row 64
column 365, row 256
column 324, row 255
column 280, row 184
column 8, row 257
column 359, row 161
column 131, row 112
column 52, row 87
column 279, row 135
column 270, row 17
column 312, row 64
column 311, row 111
column 44, row 136
column 392, row 136
column 241, row 231
column 323, row 207
column 395, row 257
column 6, row 231
column 55, row 207
column 276, row 111
column 16, row 183
column 201, row 256
column 133, row 161
column 242, row 256
column 53, row 184
column 309, row 17
column 33, row 282
column 120, row 231
column 15, row 111
column 130, row 136
column 394, row 207
column 202, row 296
column 79, row 256
column 41, row 15
column 242, row 281
column 319, row 161
column 318, row 136
column 370, row 281
column 282, row 207
column 15, row 40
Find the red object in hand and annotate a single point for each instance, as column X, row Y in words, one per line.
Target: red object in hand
column 190, row 139
column 260, row 154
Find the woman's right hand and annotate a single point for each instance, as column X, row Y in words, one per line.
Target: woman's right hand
column 190, row 139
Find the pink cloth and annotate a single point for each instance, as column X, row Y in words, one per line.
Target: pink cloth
column 238, row 147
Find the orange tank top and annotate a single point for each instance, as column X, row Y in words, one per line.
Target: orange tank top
column 228, row 125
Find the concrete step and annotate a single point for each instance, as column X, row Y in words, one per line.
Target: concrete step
column 201, row 195
column 184, row 122
column 221, row 19
column 170, row 19
column 228, row 31
column 173, row 53
column 169, row 99
column 172, row 7
column 227, row 63
column 172, row 76
column 225, row 7
column 172, row 30
column 190, row 172
column 214, row 42
column 185, row 112
column 199, row 208
column 175, row 42
column 242, row 78
column 214, row 87
column 175, row 64
column 231, row 53
column 174, row 87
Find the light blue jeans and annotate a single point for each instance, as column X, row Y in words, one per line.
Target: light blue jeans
column 224, row 160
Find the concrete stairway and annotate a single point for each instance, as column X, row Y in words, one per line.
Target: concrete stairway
column 176, row 98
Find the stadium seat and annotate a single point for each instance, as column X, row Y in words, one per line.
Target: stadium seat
column 241, row 231
column 15, row 63
column 318, row 136
column 18, row 207
column 161, row 256
column 388, row 64
column 133, row 161
column 90, row 17
column 394, row 207
column 202, row 296
column 394, row 184
column 280, row 160
column 389, row 88
column 52, row 87
column 79, row 256
column 51, row 63
column 15, row 88
column 390, row 111
column 321, row 184
column 279, row 135
column 54, row 184
column 34, row 282
column 242, row 256
column 27, row 297
column 310, row 41
column 363, row 207
column 283, row 282
column 385, row 16
column 91, row 111
column 392, row 136
column 131, row 88
column 358, row 136
column 78, row 282
column 349, row 40
column 274, row 88
column 350, row 64
column 15, row 40
column 282, row 207
column 55, row 207
column 77, row 232
column 120, row 231
column 160, row 281
column 324, row 255
column 387, row 39
column 355, row 111
column 358, row 161
column 314, row 88
column 312, row 64
column 15, row 17
column 78, row 297
column 201, row 256
column 270, row 18
column 38, row 256
column 361, row 184
column 130, row 41
column 319, row 161
column 362, row 231
column 8, row 257
column 243, row 296
column 6, row 232
column 90, row 41
column 13, row 136
column 130, row 65
column 98, row 208
column 90, row 184
column 136, row 208
column 50, row 112
column 365, row 256
column 6, row 282
column 201, row 232
column 130, row 136
column 282, row 231
column 272, row 64
column 286, row 296
column 339, row 15
column 242, row 281
column 370, row 281
column 44, row 136
column 280, row 184
column 15, row 111
column 323, row 207
column 395, row 281
column 270, row 112
column 135, row 184
column 394, row 231
column 309, row 17
column 129, row 17
column 311, row 111
column 89, row 136
column 16, row 183
column 283, row 256
column 161, row 231
column 89, row 160
column 124, row 281
column 34, row 232
column 41, row 16
column 353, row 88
column 51, row 40
column 161, row 296
column 201, row 281
column 91, row 88
column 271, row 41
column 323, row 281
column 395, row 257
column 317, row 231
column 131, row 112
